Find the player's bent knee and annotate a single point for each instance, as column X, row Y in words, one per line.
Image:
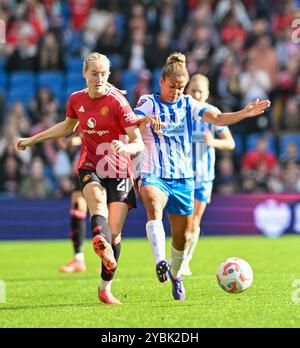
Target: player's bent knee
column 154, row 213
column 98, row 209
column 180, row 242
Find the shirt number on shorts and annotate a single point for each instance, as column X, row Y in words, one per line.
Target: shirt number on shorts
column 123, row 185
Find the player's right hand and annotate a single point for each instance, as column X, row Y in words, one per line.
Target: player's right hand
column 154, row 121
column 23, row 143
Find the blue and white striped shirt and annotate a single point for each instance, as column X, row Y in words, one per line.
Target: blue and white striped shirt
column 204, row 156
column 169, row 154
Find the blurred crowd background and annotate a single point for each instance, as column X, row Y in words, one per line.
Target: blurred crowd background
column 247, row 48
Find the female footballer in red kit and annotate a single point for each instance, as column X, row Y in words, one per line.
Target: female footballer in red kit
column 104, row 169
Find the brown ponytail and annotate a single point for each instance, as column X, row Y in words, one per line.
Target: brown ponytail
column 175, row 66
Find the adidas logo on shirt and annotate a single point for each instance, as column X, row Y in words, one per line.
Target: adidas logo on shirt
column 81, row 109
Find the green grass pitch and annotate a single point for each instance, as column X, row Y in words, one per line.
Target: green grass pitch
column 38, row 296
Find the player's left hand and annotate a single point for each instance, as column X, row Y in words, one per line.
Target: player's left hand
column 154, row 121
column 118, row 146
column 256, row 107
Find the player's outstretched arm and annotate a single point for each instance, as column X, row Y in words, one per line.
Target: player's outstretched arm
column 61, row 129
column 253, row 109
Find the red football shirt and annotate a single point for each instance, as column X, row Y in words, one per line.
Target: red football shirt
column 101, row 121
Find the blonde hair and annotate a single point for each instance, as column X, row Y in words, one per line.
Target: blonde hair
column 175, row 66
column 203, row 88
column 95, row 56
column 102, row 59
column 200, row 77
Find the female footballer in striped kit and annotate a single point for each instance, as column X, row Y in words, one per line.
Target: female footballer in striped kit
column 167, row 180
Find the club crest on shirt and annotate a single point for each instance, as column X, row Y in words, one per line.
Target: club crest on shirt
column 86, row 177
column 104, row 110
column 91, row 123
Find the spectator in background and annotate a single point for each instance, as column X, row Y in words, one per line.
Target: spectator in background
column 25, row 27
column 260, row 155
column 201, row 16
column 290, row 119
column 262, row 176
column 23, row 56
column 260, row 26
column 18, row 120
column 62, row 166
column 54, row 11
column 158, row 52
column 4, row 17
column 137, row 18
column 291, row 155
column 231, row 28
column 274, row 181
column 7, row 145
column 264, row 57
column 36, row 185
column 134, row 52
column 226, row 179
column 79, row 13
column 235, row 47
column 287, row 77
column 27, row 22
column 10, row 173
column 283, row 18
column 167, row 17
column 228, row 83
column 285, row 47
column 248, row 184
column 234, row 8
column 257, row 166
column 255, row 83
column 42, row 103
column 65, row 188
column 95, row 25
column 291, row 178
column 200, row 47
column 11, row 165
column 47, row 151
column 143, row 85
column 50, row 54
column 110, row 41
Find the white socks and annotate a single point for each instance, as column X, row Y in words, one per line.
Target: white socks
column 157, row 238
column 177, row 259
column 79, row 257
column 193, row 241
column 105, row 284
